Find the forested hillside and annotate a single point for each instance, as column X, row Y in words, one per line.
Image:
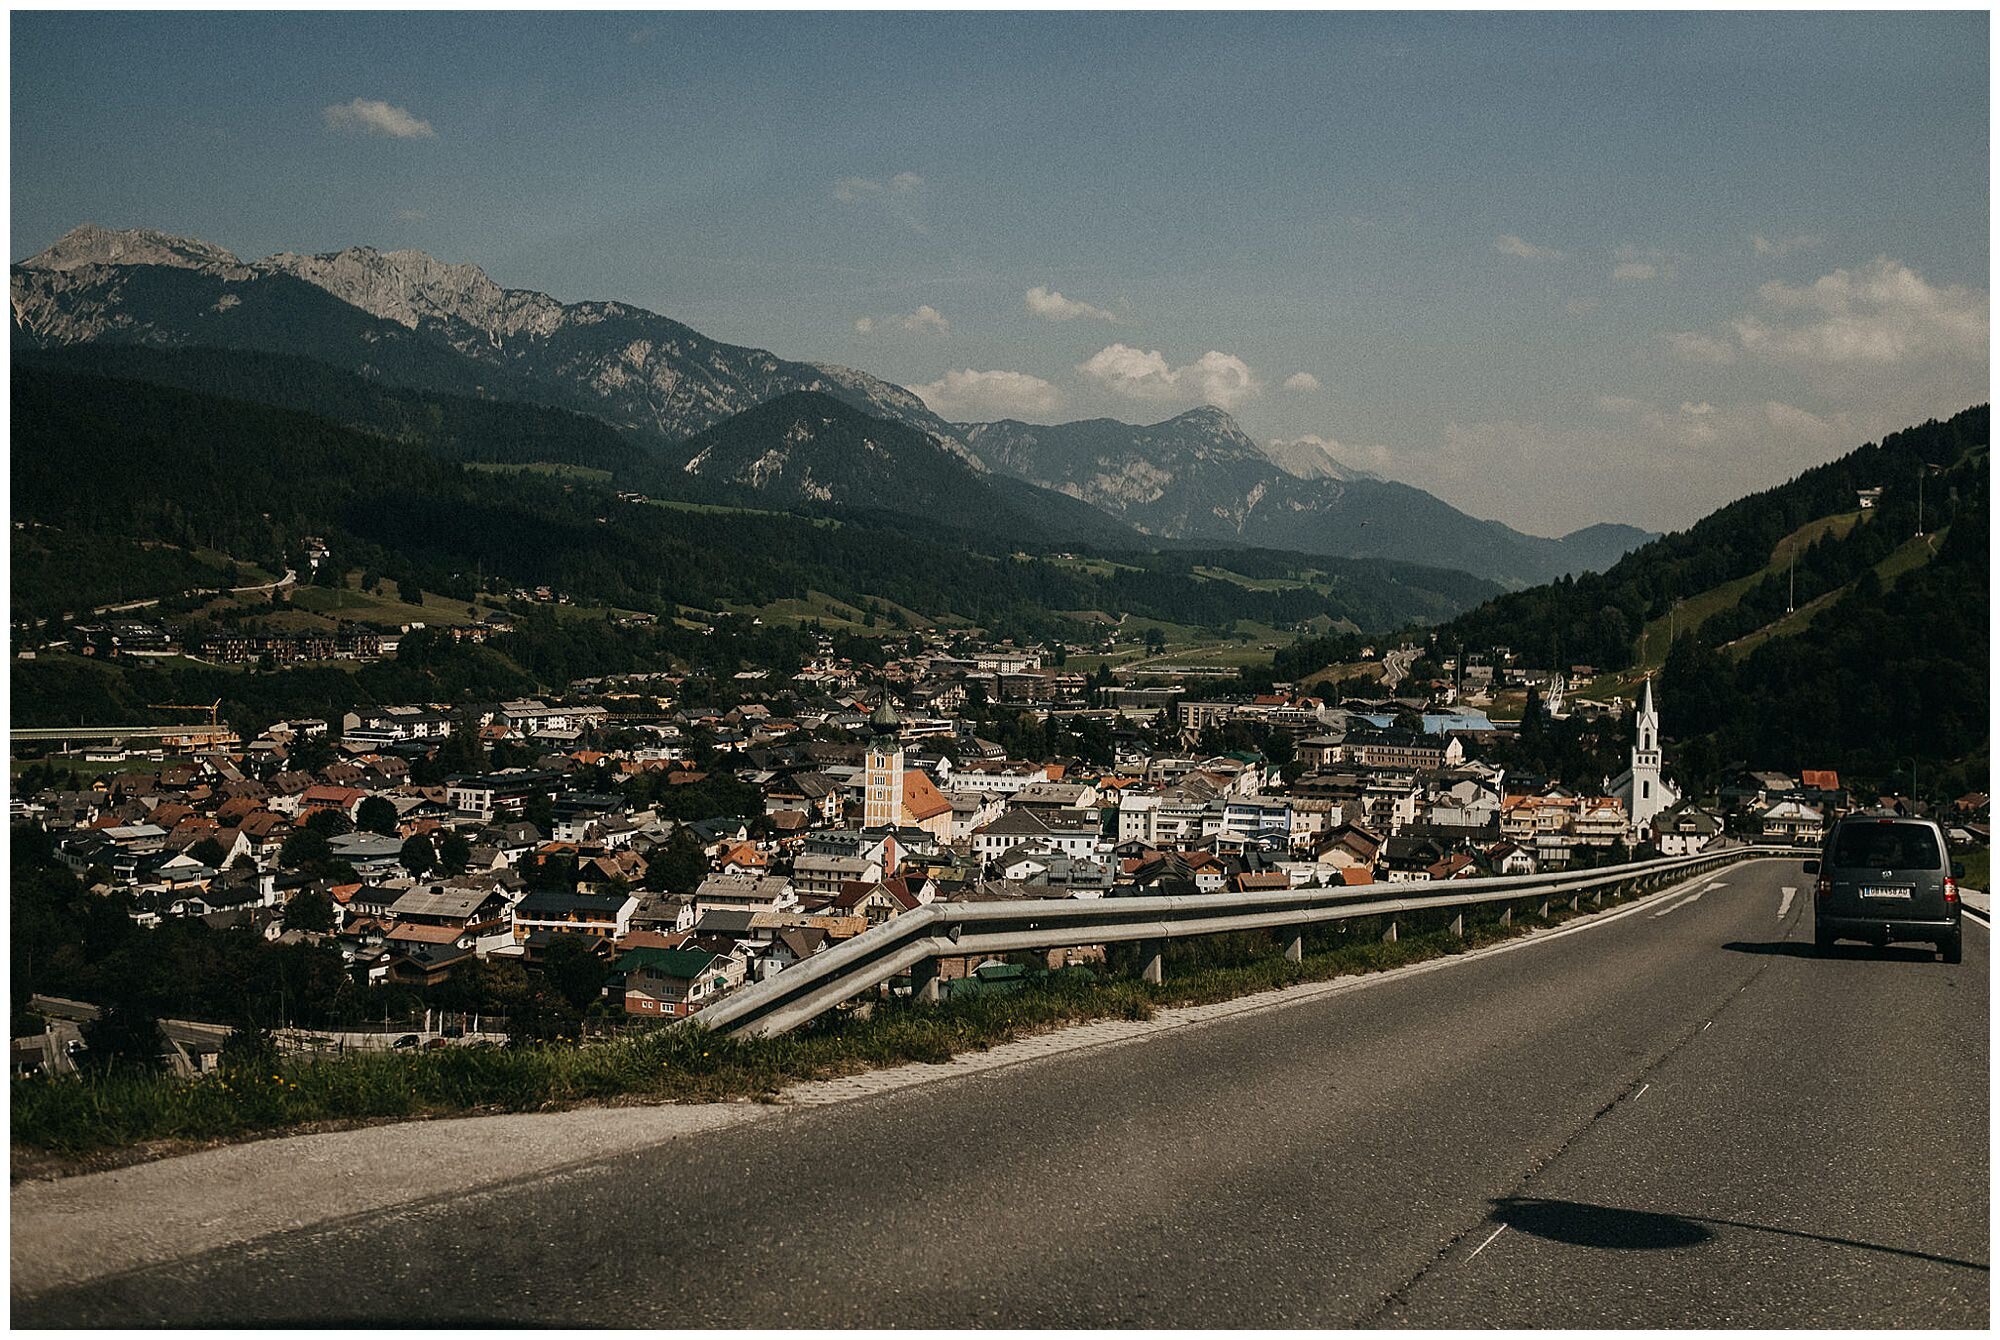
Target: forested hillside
column 1597, row 619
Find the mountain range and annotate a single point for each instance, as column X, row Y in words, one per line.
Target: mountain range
column 405, row 318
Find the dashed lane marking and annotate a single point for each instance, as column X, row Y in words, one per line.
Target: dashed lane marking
column 1785, row 901
column 1489, row 1242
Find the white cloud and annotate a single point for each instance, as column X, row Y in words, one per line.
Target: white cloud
column 901, row 197
column 377, row 118
column 966, row 396
column 1641, row 263
column 926, row 320
column 864, row 325
column 1302, row 382
column 1783, row 246
column 1216, row 378
column 1045, row 302
column 1509, row 245
column 1692, row 346
column 1883, row 313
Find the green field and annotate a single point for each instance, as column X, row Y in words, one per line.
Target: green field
column 1911, row 554
column 1698, row 609
column 1310, row 579
column 553, row 469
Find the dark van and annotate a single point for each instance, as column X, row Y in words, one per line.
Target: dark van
column 1883, row 878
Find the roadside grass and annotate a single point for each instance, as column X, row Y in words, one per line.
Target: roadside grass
column 73, row 1118
column 1978, row 868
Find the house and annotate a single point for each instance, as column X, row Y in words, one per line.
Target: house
column 1685, row 829
column 743, row 893
column 605, row 915
column 1510, row 858
column 1792, row 821
column 674, row 983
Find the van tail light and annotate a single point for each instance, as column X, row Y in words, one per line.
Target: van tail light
column 1823, row 889
column 1950, row 889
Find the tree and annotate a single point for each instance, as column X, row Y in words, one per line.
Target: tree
column 305, row 849
column 309, row 910
column 127, row 1035
column 681, row 866
column 376, row 815
column 573, row 968
column 418, row 856
column 209, row 852
column 454, row 853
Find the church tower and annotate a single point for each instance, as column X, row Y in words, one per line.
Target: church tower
column 1650, row 793
column 882, row 806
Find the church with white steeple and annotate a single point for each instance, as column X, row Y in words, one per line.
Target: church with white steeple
column 1643, row 791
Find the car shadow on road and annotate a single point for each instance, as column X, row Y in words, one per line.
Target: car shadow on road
column 1608, row 1227
column 1806, row 949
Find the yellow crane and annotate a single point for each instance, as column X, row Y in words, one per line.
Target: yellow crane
column 213, row 709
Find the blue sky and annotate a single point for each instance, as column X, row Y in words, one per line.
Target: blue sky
column 1556, row 268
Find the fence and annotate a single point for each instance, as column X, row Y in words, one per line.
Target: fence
column 916, row 939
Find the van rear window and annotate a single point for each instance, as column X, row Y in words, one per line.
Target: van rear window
column 1889, row 846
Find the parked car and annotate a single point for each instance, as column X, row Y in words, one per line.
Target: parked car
column 407, row 1040
column 1884, row 879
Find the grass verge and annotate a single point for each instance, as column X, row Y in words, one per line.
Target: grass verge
column 77, row 1119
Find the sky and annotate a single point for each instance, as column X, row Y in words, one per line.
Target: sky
column 1557, row 269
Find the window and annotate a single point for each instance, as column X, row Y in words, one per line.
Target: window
column 1887, row 846
column 1645, row 790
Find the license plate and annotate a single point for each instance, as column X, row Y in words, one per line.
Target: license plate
column 1885, row 890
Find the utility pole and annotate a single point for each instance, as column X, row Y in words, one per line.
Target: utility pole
column 1792, row 578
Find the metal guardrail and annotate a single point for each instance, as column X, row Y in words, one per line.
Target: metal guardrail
column 810, row 988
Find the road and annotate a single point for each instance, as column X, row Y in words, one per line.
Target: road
column 1680, row 1117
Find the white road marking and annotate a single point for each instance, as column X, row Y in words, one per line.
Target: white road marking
column 1642, row 1092
column 1706, row 1024
column 1693, row 897
column 1785, row 901
column 1488, row 1243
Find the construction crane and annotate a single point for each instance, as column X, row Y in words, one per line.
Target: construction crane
column 213, row 709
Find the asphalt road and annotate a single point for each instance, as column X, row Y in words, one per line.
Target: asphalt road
column 1681, row 1118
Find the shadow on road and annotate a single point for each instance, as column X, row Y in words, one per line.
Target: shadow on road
column 1604, row 1226
column 1585, row 1225
column 1805, row 949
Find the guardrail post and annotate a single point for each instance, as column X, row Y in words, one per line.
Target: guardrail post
column 1295, row 949
column 1506, row 916
column 1389, row 936
column 925, row 983
column 1575, row 903
column 1597, row 897
column 1152, row 971
column 1545, row 909
column 1458, row 925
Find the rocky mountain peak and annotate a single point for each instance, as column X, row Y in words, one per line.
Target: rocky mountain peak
column 410, row 287
column 93, row 244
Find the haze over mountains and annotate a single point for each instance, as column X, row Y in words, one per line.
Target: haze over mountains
column 406, row 318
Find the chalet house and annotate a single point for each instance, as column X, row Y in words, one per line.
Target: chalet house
column 604, row 915
column 1685, row 829
column 1349, row 846
column 1792, row 821
column 674, row 983
column 789, row 945
column 1510, row 858
column 744, row 893
column 474, row 913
